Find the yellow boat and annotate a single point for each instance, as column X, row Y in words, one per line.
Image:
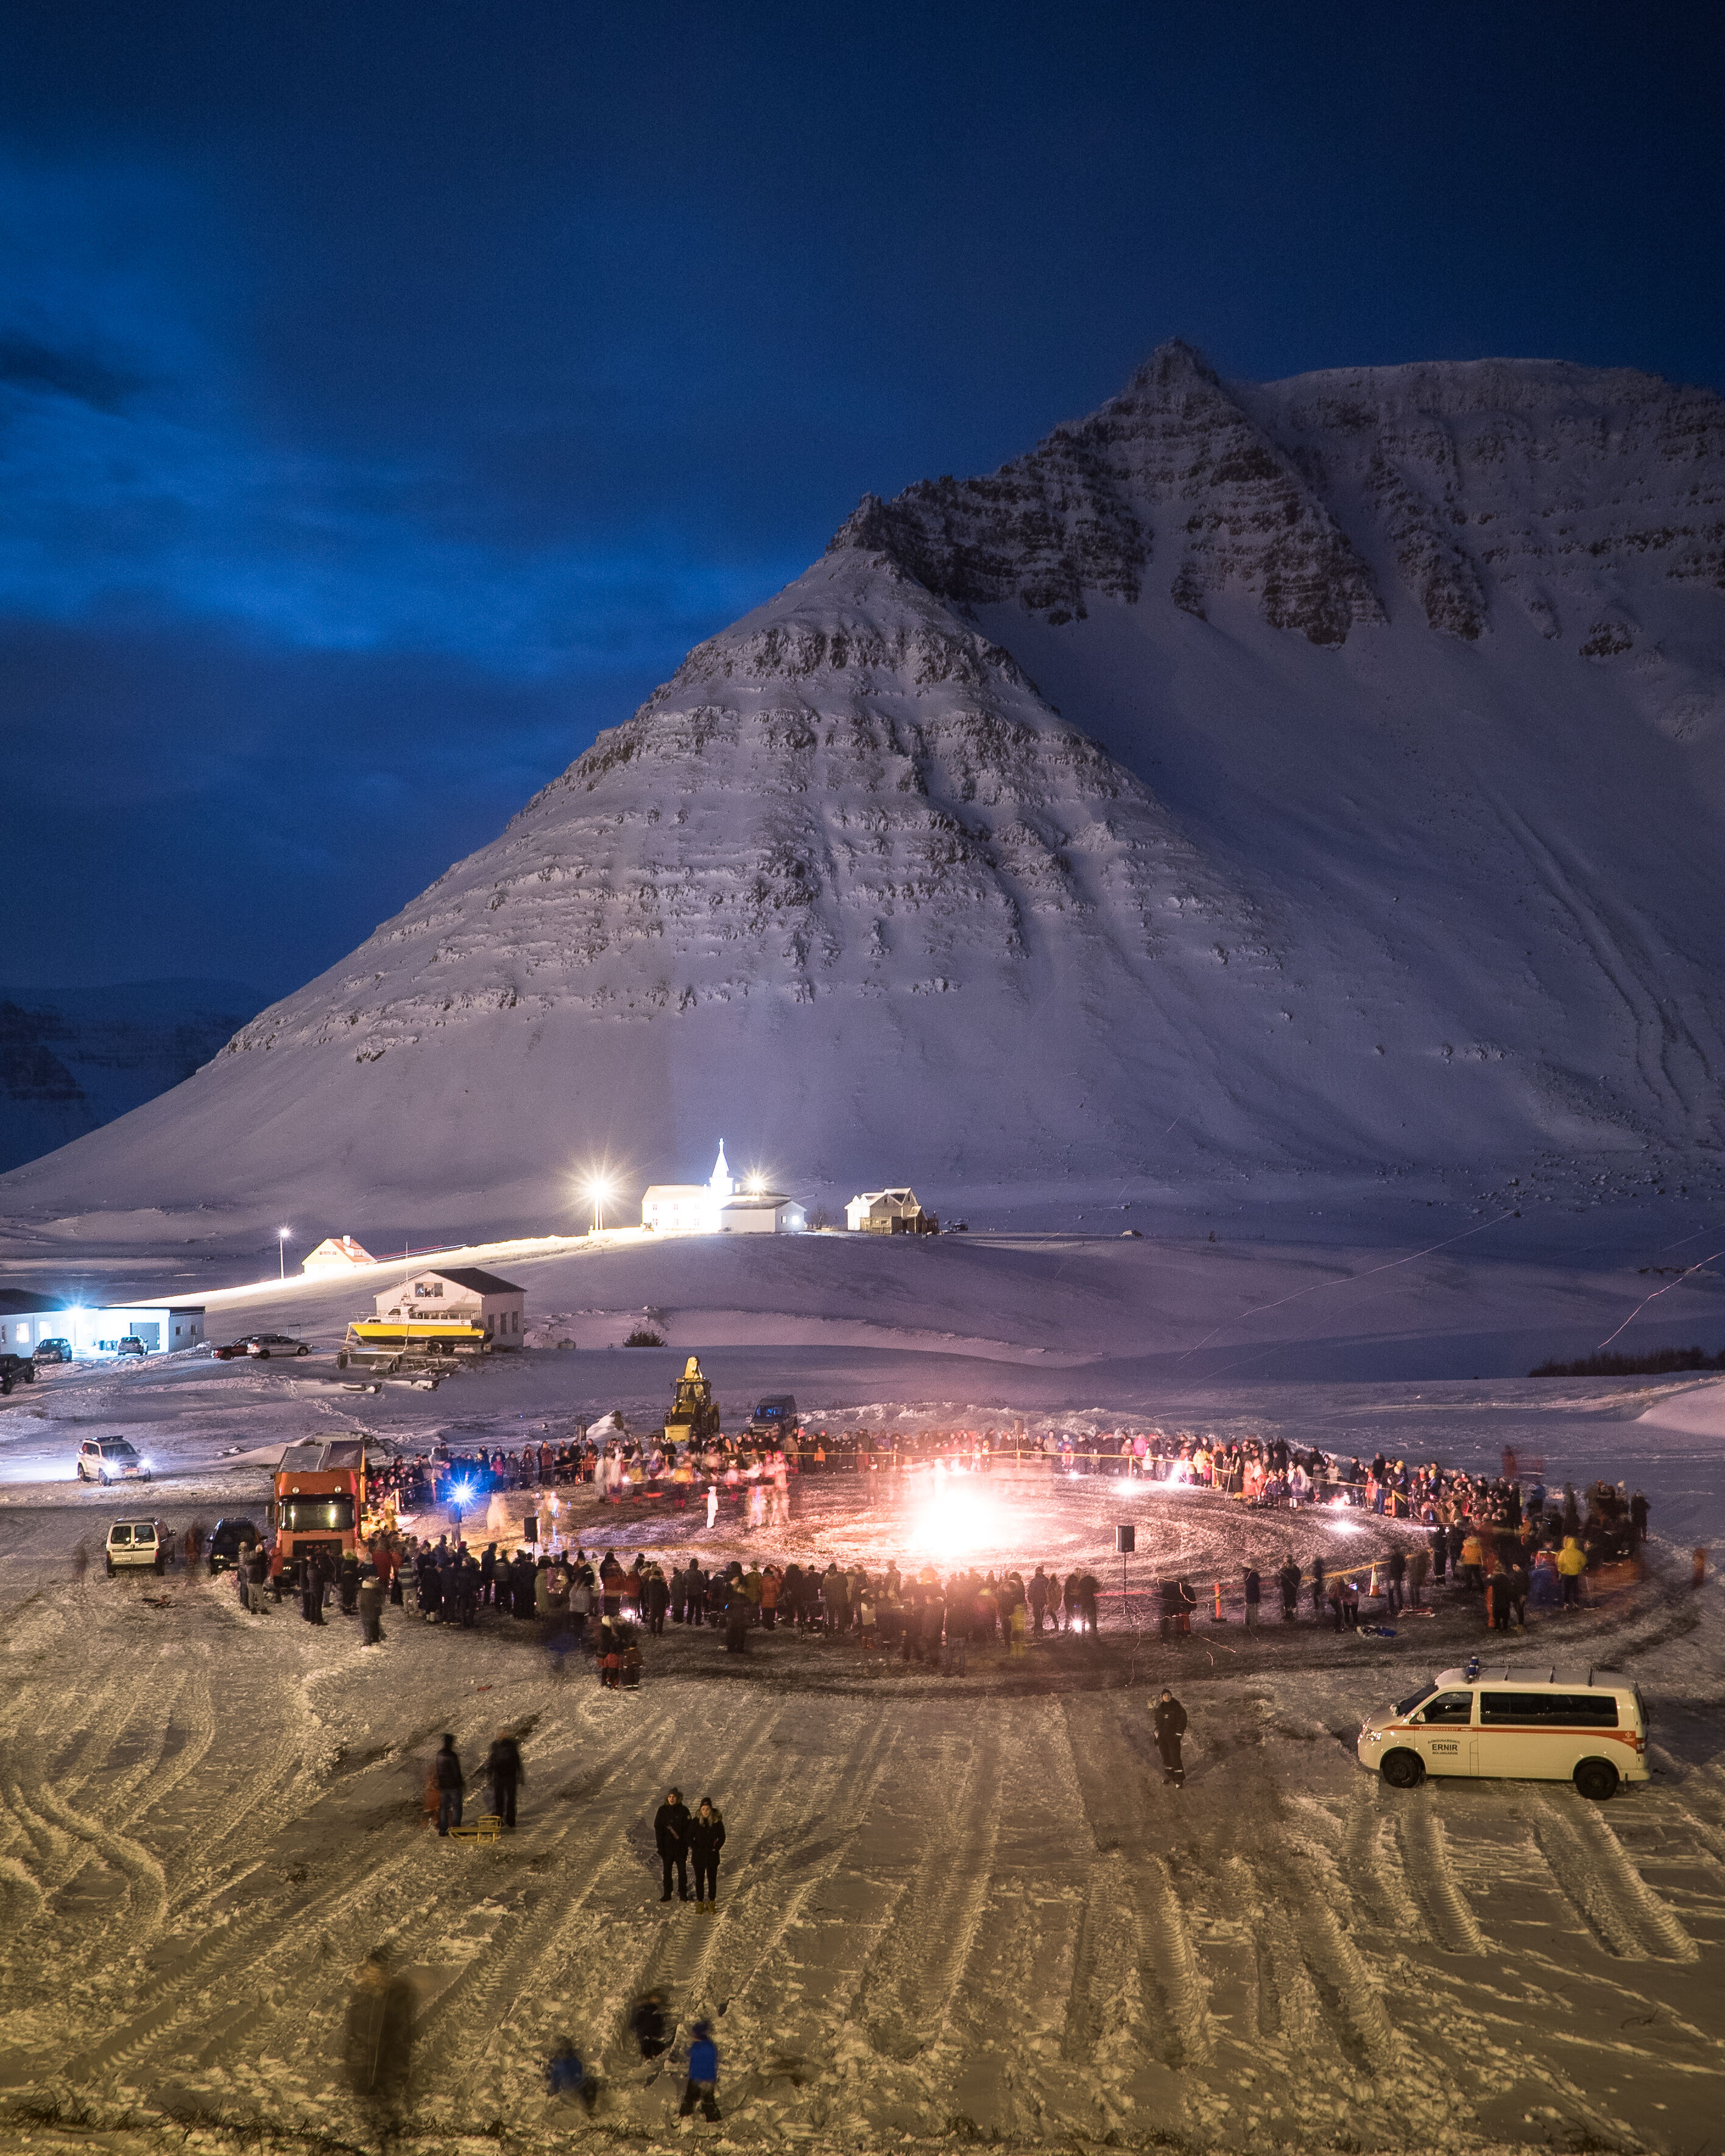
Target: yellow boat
column 373, row 1340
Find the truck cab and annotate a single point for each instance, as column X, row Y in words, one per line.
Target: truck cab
column 318, row 1500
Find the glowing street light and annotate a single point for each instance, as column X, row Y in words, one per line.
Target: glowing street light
column 598, row 1190
column 282, row 1238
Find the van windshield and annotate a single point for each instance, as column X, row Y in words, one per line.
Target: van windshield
column 1415, row 1699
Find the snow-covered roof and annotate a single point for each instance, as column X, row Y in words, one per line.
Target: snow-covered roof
column 471, row 1277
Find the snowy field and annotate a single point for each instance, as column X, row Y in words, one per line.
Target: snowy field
column 950, row 1909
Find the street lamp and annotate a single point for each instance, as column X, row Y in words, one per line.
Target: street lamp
column 599, row 1191
column 282, row 1235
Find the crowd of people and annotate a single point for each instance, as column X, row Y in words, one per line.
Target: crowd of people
column 1259, row 1472
column 1502, row 1539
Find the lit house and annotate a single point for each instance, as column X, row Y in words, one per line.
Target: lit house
column 889, row 1212
column 336, row 1254
column 761, row 1213
column 461, row 1291
column 717, row 1207
column 27, row 1317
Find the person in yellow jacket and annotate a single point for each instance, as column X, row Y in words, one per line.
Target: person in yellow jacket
column 1572, row 1563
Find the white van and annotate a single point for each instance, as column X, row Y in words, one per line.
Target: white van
column 137, row 1543
column 1590, row 1731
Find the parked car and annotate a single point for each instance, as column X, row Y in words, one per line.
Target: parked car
column 131, row 1345
column 262, row 1345
column 228, row 1540
column 107, row 1460
column 775, row 1417
column 15, row 1369
column 53, row 1351
column 133, row 1544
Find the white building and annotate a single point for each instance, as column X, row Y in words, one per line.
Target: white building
column 336, row 1254
column 27, row 1318
column 889, row 1212
column 463, row 1291
column 761, row 1213
column 717, row 1207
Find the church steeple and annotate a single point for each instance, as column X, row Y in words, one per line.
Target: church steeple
column 720, row 1182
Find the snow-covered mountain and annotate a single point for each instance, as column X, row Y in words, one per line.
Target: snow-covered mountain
column 1301, row 788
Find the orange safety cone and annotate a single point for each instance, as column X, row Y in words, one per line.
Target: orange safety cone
column 1218, row 1601
column 1372, row 1589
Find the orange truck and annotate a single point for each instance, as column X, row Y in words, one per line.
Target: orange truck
column 319, row 1499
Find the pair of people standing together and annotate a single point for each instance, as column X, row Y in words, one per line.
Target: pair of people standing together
column 681, row 1834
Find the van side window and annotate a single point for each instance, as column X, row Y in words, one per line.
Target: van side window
column 1589, row 1710
column 1450, row 1707
column 1585, row 1710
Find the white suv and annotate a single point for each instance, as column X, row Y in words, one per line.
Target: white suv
column 134, row 1543
column 107, row 1460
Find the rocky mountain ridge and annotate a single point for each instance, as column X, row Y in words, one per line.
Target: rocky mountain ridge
column 1052, row 812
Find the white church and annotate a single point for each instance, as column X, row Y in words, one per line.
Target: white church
column 717, row 1207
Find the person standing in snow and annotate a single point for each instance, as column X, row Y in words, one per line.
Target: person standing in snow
column 670, row 1830
column 450, row 1782
column 370, row 1602
column 703, row 2074
column 504, row 1775
column 1170, row 1718
column 1288, row 1580
column 707, row 1838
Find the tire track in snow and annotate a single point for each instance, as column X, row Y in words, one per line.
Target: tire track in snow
column 1165, row 1949
column 1371, row 1859
column 143, row 1874
column 755, row 1921
column 1604, row 1888
column 932, row 1920
column 1424, row 1843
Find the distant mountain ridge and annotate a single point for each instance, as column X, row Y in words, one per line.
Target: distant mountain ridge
column 71, row 1059
column 1256, row 789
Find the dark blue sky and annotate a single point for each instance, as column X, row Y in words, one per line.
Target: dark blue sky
column 390, row 394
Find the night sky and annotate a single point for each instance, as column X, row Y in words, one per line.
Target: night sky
column 390, row 395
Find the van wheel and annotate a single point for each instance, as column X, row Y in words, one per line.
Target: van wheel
column 1403, row 1770
column 1596, row 1779
column 109, row 1561
column 159, row 1567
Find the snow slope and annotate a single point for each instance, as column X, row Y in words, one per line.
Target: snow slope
column 1298, row 791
